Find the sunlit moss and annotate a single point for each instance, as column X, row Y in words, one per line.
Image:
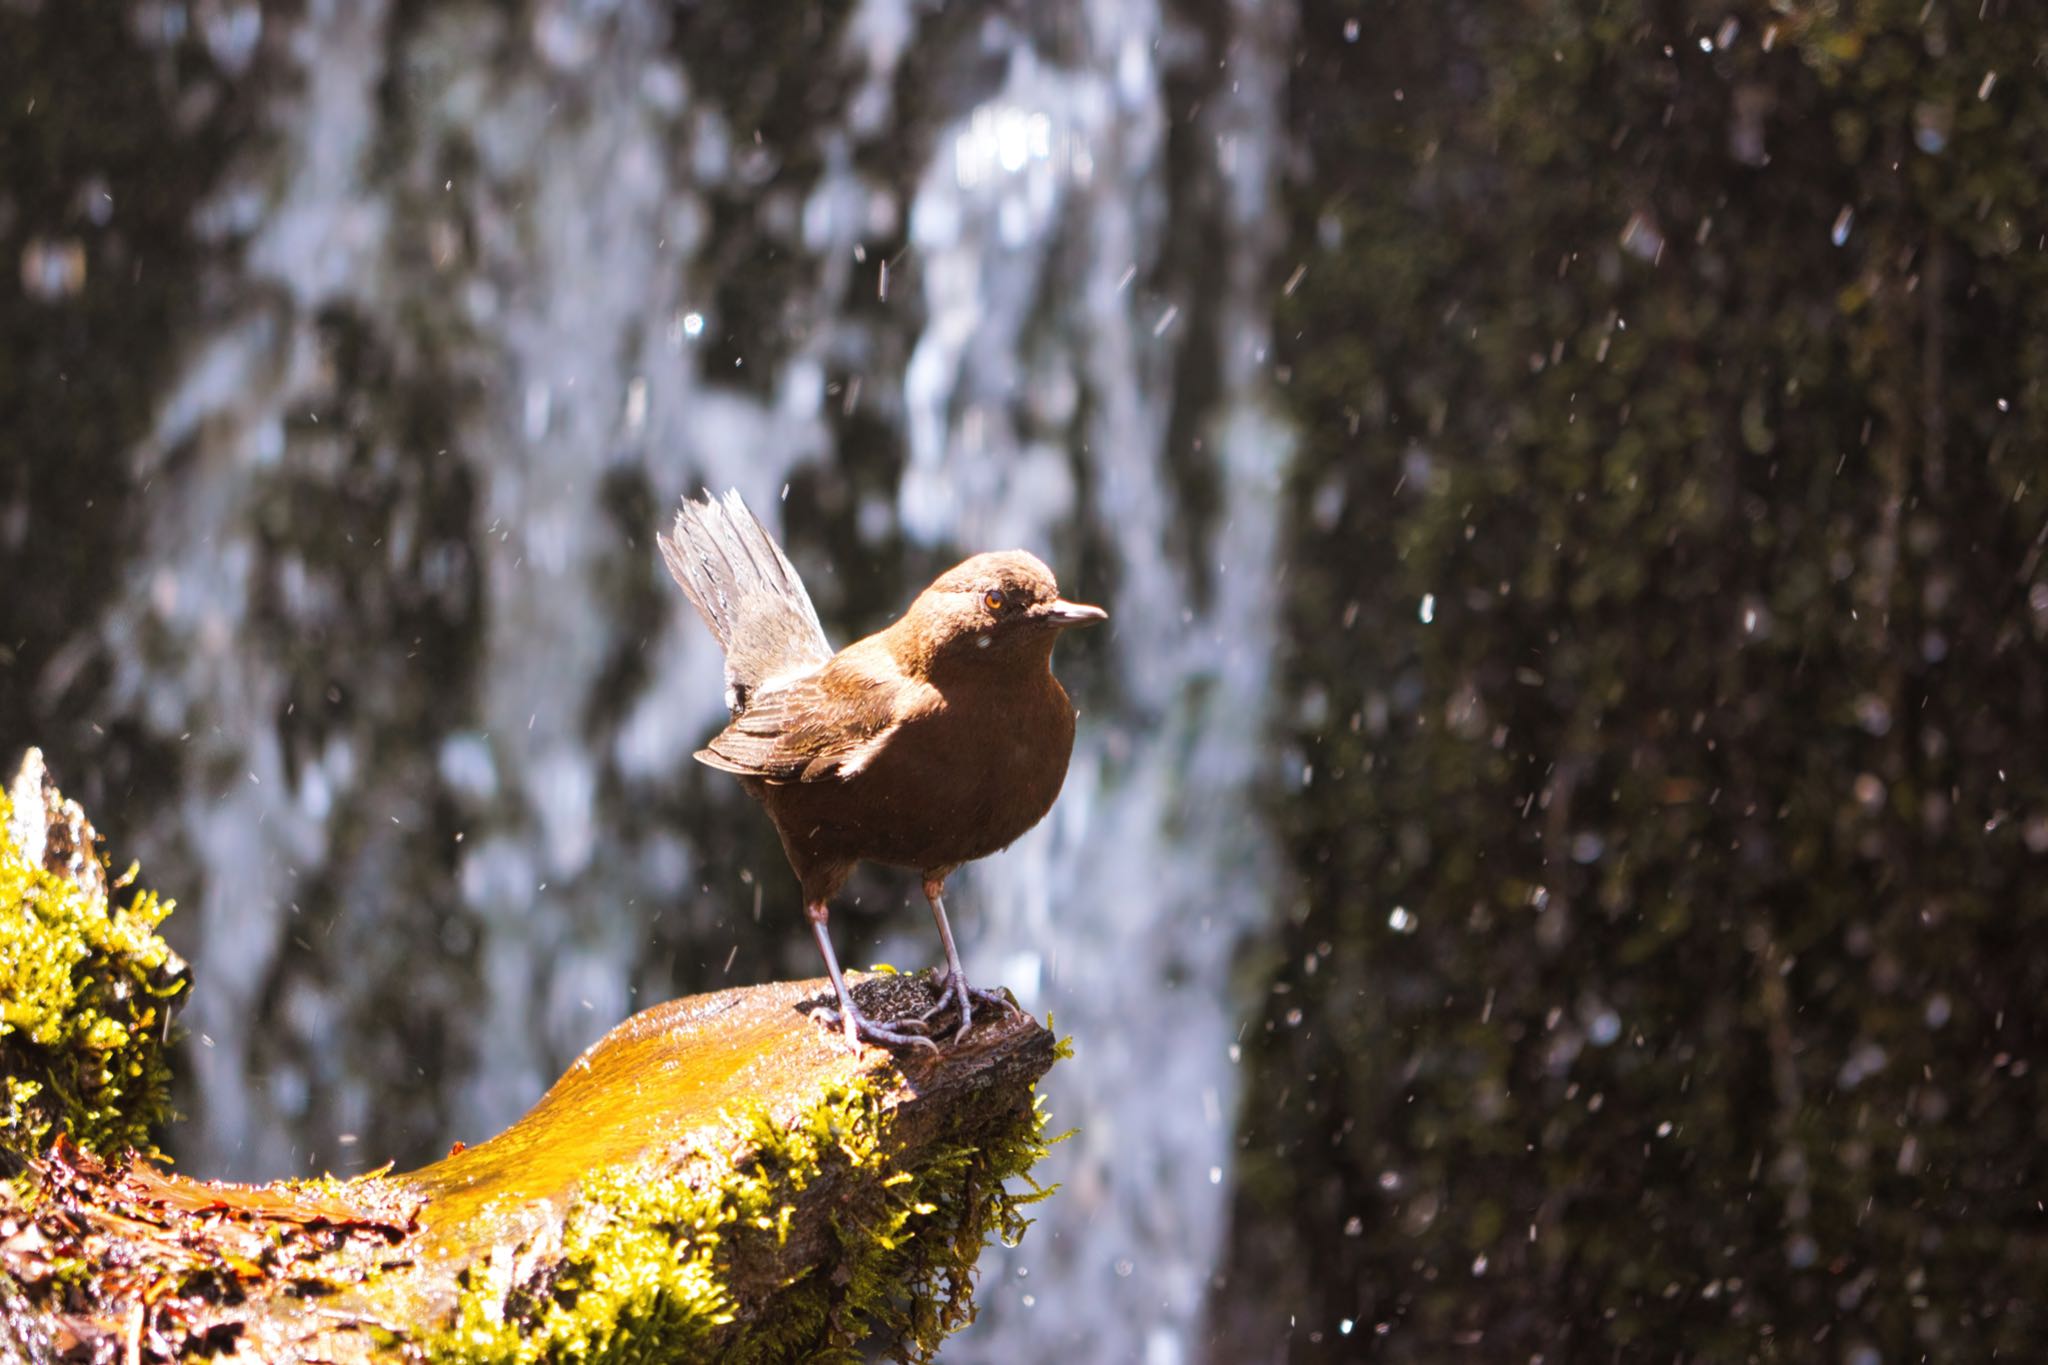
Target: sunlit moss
column 643, row 1268
column 84, row 986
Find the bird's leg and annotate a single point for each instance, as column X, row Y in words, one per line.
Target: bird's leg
column 952, row 981
column 856, row 1025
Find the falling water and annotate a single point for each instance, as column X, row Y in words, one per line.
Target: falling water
column 1122, row 915
column 407, row 914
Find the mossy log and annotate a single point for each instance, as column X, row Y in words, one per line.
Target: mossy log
column 718, row 1178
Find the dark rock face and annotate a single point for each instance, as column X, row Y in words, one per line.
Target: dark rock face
column 1668, row 611
column 112, row 138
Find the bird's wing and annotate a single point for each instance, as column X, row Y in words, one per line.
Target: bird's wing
column 824, row 725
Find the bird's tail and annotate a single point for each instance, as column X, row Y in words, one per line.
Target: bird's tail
column 747, row 592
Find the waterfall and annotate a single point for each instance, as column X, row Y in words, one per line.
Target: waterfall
column 477, row 333
column 1122, row 914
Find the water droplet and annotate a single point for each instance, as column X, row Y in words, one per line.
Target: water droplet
column 1931, row 123
column 1400, row 921
column 635, row 417
column 1428, row 609
column 1605, row 1028
column 1843, row 220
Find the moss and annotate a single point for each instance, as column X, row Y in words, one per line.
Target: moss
column 643, row 1266
column 84, row 990
column 1665, row 881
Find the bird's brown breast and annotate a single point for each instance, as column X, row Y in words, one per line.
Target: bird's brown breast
column 955, row 782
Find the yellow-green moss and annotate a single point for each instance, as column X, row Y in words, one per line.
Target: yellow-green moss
column 644, row 1267
column 84, row 987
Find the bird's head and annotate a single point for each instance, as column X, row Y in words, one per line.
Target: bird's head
column 997, row 605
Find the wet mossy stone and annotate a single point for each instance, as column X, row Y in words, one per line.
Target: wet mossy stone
column 719, row 1178
column 722, row 1176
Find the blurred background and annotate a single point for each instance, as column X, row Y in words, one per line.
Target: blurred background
column 1552, row 867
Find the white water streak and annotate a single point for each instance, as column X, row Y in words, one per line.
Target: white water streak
column 1128, row 906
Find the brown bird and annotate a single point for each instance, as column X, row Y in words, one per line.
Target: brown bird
column 931, row 743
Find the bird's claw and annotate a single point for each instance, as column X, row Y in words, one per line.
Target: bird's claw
column 956, row 991
column 947, row 997
column 858, row 1029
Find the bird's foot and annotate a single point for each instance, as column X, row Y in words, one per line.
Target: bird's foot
column 955, row 990
column 858, row 1028
column 942, row 982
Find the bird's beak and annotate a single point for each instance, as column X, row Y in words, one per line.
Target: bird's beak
column 1063, row 613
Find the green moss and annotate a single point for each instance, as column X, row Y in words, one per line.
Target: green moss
column 1663, row 884
column 83, row 991
column 644, row 1265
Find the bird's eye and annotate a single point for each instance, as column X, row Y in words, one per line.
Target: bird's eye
column 993, row 600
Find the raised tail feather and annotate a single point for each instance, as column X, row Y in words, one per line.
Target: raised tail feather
column 747, row 592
